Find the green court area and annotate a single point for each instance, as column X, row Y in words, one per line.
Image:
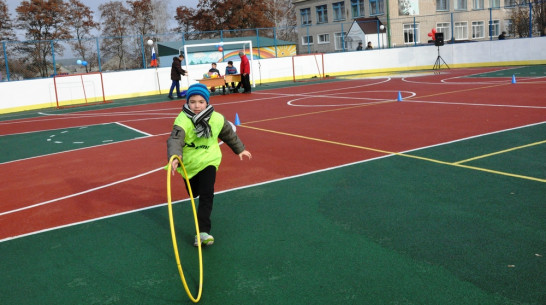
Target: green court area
column 526, row 71
column 27, row 145
column 395, row 230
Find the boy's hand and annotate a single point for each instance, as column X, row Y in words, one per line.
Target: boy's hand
column 174, row 166
column 245, row 153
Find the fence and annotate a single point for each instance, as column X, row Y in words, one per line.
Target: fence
column 39, row 59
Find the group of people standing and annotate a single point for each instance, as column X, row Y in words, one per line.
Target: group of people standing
column 177, row 72
column 368, row 47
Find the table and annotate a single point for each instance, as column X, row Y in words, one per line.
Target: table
column 232, row 78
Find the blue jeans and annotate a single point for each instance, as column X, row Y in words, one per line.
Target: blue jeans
column 175, row 84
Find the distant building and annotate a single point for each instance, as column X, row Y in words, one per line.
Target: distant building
column 328, row 25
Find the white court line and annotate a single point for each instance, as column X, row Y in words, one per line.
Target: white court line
column 134, row 129
column 233, row 189
column 79, row 193
column 473, row 104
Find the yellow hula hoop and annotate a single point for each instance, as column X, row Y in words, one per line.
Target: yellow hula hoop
column 173, row 234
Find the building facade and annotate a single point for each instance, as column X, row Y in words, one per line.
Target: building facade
column 323, row 25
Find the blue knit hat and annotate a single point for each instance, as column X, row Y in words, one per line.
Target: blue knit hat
column 198, row 89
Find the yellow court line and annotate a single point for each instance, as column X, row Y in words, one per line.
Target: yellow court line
column 500, row 152
column 397, row 154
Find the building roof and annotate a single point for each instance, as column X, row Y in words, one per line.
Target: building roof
column 369, row 25
column 172, row 47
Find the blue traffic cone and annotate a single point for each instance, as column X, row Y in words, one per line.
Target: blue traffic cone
column 237, row 121
column 513, row 79
column 399, row 96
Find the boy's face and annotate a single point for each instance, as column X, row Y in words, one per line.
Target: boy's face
column 197, row 103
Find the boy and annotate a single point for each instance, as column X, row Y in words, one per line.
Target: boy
column 230, row 69
column 195, row 139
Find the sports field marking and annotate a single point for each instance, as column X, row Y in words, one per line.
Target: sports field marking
column 321, row 111
column 131, row 128
column 397, row 154
column 80, row 193
column 233, row 189
column 391, row 93
column 500, row 152
column 474, row 104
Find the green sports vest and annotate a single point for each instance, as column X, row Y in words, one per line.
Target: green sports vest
column 199, row 153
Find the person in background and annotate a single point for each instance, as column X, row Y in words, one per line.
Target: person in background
column 502, row 36
column 245, row 73
column 359, row 48
column 230, row 70
column 213, row 71
column 194, row 138
column 176, row 71
column 369, row 46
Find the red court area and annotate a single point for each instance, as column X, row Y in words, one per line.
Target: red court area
column 289, row 131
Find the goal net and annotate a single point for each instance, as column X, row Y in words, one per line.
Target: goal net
column 242, row 45
column 73, row 90
column 307, row 67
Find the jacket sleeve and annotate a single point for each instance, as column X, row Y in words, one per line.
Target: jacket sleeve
column 230, row 137
column 179, row 68
column 175, row 143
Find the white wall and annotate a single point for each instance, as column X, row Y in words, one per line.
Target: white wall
column 40, row 93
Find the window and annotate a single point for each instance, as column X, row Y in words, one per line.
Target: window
column 508, row 26
column 340, row 44
column 495, row 28
column 461, row 30
column 377, row 7
column 339, row 11
column 305, row 16
column 460, row 4
column 478, row 29
column 306, row 40
column 411, row 31
column 357, row 8
column 494, row 3
column 323, row 38
column 510, row 2
column 477, row 4
column 322, row 14
column 442, row 5
column 444, row 27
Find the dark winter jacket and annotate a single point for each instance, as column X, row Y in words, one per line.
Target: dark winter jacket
column 176, row 69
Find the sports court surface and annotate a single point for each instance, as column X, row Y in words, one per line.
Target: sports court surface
column 425, row 188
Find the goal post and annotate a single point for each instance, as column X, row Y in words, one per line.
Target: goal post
column 308, row 67
column 243, row 43
column 74, row 90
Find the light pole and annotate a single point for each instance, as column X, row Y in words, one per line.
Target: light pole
column 153, row 63
column 382, row 28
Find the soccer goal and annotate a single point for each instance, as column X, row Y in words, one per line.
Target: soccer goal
column 308, row 67
column 74, row 90
column 246, row 47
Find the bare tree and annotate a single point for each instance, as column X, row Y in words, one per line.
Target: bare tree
column 44, row 22
column 80, row 20
column 284, row 16
column 116, row 20
column 142, row 18
column 184, row 16
column 214, row 15
column 6, row 24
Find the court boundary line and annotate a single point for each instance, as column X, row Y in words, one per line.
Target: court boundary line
column 260, row 183
column 402, row 154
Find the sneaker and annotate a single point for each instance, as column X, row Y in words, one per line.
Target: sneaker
column 206, row 239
